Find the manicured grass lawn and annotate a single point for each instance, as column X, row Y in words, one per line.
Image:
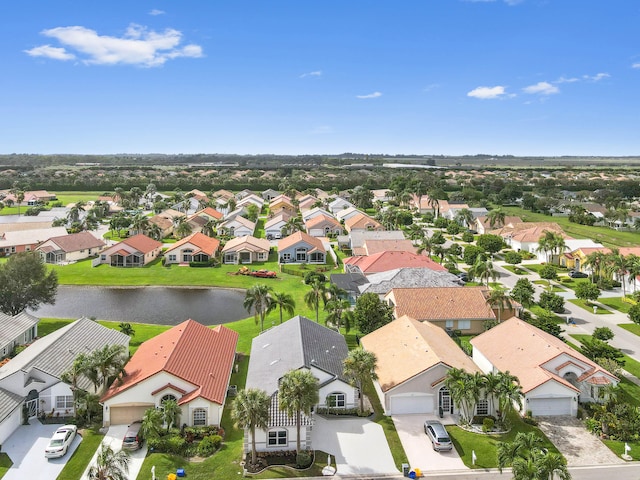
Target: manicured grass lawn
column 630, row 365
column 486, row 446
column 5, row 464
column 604, row 235
column 631, row 327
column 515, row 269
column 588, row 306
column 78, row 462
column 554, row 288
column 616, row 303
column 617, row 447
column 537, row 310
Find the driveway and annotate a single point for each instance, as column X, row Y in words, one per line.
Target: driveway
column 418, row 447
column 357, row 444
column 114, row 437
column 26, row 449
column 573, row 440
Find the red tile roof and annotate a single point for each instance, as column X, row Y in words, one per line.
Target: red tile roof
column 297, row 237
column 77, row 241
column 321, row 219
column 206, row 244
column 385, row 261
column 212, row 212
column 142, row 243
column 442, row 303
column 197, row 354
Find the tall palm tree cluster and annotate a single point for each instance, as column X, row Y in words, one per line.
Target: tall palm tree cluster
column 605, row 265
column 467, row 389
column 262, row 300
column 552, row 244
column 529, row 460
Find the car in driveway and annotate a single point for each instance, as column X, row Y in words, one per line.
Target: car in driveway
column 60, row 441
column 133, row 437
column 438, row 435
column 577, row 274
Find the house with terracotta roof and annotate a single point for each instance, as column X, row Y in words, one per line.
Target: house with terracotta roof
column 246, row 250
column 273, row 227
column 165, row 225
column 373, row 246
column 209, row 213
column 307, row 202
column 134, row 251
column 281, row 204
column 197, row 247
column 70, row 248
column 26, row 240
column 362, row 222
column 554, row 377
column 483, row 225
column 314, row 212
column 298, row 343
column 301, row 247
column 237, row 227
column 322, row 226
column 385, row 261
column 413, row 361
column 451, row 308
column 189, row 363
column 524, row 236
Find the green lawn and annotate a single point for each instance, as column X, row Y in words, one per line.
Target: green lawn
column 554, row 288
column 617, row 447
column 616, row 303
column 78, row 462
column 486, row 446
column 588, row 306
column 5, row 464
column 630, row 365
column 537, row 310
column 631, row 327
column 515, row 269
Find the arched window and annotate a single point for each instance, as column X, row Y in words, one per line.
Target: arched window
column 166, row 398
column 277, row 438
column 199, row 417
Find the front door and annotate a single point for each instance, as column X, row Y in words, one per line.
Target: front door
column 444, row 400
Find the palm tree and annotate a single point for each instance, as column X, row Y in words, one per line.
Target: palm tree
column 154, row 231
column 170, row 413
column 434, row 203
column 336, row 309
column 499, row 299
column 359, row 366
column 126, row 328
column 293, row 225
column 509, row 394
column 72, row 376
column 334, row 292
column 109, row 362
column 529, row 461
column 553, row 463
column 464, row 217
column 595, row 260
column 312, row 297
column 283, row 301
column 464, row 389
column 258, row 298
column 483, row 270
column 426, row 245
column 209, row 228
column 491, row 384
column 551, row 242
column 618, row 265
column 182, row 227
column 297, row 394
column 250, row 410
column 152, row 423
column 415, row 231
column 139, row 223
column 496, row 217
column 633, row 267
column 110, row 465
column 74, row 212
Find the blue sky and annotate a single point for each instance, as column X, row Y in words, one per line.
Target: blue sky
column 451, row 77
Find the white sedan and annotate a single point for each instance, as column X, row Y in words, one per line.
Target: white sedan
column 60, row 442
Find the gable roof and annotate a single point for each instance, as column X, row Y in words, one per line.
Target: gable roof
column 522, row 349
column 206, row 244
column 13, row 326
column 442, row 303
column 406, row 347
column 298, row 237
column 376, row 246
column 28, row 237
column 142, row 243
column 198, row 354
column 508, row 220
column 280, row 218
column 321, row 219
column 529, row 231
column 358, row 237
column 296, row 343
column 409, row 277
column 211, row 212
column 77, row 241
column 361, row 221
column 349, row 282
column 247, row 242
column 241, row 220
column 384, row 261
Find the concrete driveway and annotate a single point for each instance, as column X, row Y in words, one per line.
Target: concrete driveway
column 418, row 447
column 26, row 449
column 113, row 438
column 358, row 445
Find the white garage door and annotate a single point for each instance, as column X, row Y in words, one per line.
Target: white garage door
column 127, row 415
column 411, row 403
column 550, row 406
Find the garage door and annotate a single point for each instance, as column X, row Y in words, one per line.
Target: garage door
column 127, row 415
column 411, row 403
column 550, row 406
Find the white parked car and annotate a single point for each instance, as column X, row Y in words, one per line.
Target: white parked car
column 60, row 441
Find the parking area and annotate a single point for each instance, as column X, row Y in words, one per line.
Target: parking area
column 114, row 437
column 358, row 445
column 418, row 447
column 26, row 449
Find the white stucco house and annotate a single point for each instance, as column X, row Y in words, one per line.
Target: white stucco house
column 296, row 344
column 189, row 363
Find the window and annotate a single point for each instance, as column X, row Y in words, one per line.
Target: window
column 336, row 400
column 172, row 258
column 103, row 257
column 286, row 257
column 482, row 407
column 64, row 401
column 301, row 254
column 199, row 417
column 464, row 324
column 449, row 324
column 167, row 397
column 277, row 438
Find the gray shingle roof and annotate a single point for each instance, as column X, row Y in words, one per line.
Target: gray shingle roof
column 8, row 403
column 12, row 327
column 382, row 283
column 349, row 281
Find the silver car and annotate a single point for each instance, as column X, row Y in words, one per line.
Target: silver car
column 60, row 442
column 438, row 435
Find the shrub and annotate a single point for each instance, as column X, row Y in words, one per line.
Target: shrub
column 551, row 301
column 175, row 444
column 467, row 237
column 529, row 421
column 488, row 424
column 303, row 460
column 513, row 258
column 208, row 445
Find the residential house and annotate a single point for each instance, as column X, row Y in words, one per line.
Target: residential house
column 350, row 283
column 209, row 214
column 134, row 251
column 300, row 247
column 242, row 211
column 224, row 195
column 339, row 204
column 197, row 247
column 281, row 204
column 70, row 248
column 347, row 213
column 413, row 361
column 16, row 330
column 237, row 227
column 26, row 240
column 32, row 379
column 385, row 261
column 523, row 237
column 483, row 224
column 298, row 343
column 362, row 222
column 554, row 377
column 190, row 364
column 381, row 195
column 463, row 309
column 165, row 224
column 246, row 250
column 269, row 194
column 357, row 238
column 314, row 212
column 241, row 195
column 251, row 199
column 307, row 202
column 453, row 209
column 273, row 227
column 31, row 197
column 409, row 277
column 373, row 246
column 322, row 226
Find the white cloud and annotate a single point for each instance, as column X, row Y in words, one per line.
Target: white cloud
column 155, row 12
column 597, row 77
column 48, row 51
column 138, row 46
column 316, row 73
column 567, row 80
column 370, row 95
column 541, row 88
column 485, row 93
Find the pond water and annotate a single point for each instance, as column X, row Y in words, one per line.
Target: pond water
column 157, row 305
